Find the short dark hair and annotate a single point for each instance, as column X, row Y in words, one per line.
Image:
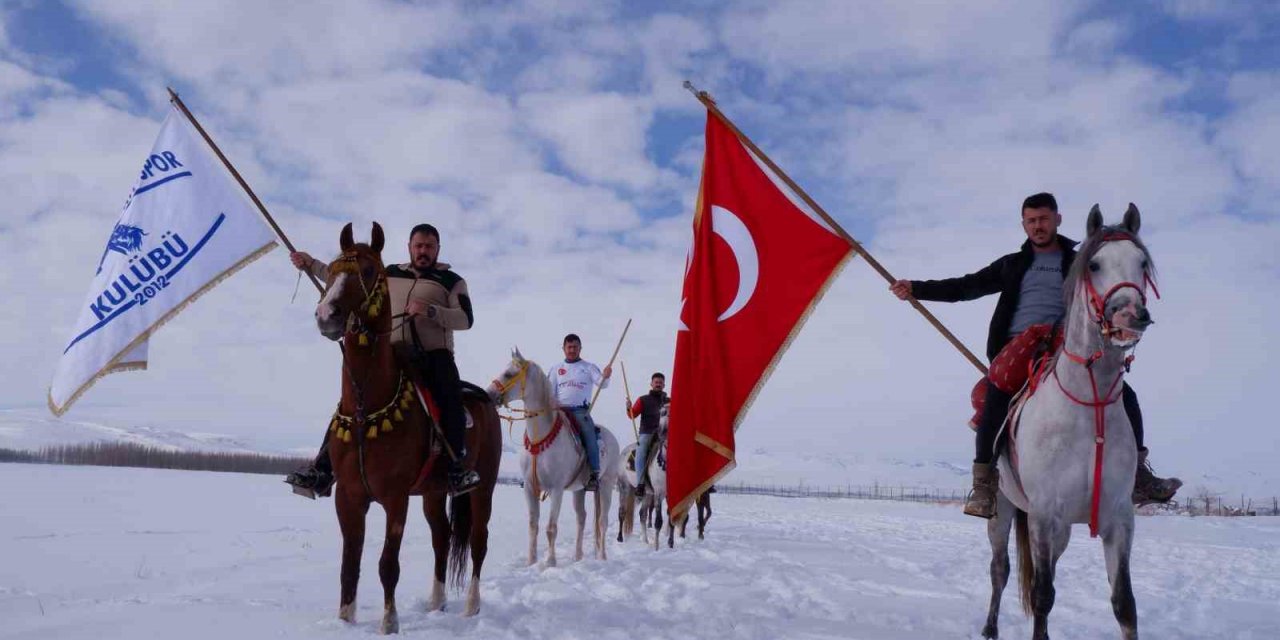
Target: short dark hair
column 1042, row 200
column 573, row 337
column 425, row 229
column 658, row 375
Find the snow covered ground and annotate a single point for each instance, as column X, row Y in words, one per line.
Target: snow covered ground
column 102, row 553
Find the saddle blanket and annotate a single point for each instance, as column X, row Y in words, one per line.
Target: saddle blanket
column 1012, row 367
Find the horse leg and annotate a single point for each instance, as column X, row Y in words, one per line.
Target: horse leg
column 580, row 516
column 531, row 500
column 603, row 500
column 704, row 505
column 623, row 506
column 481, row 509
column 998, row 535
column 657, row 522
column 433, row 505
column 1117, row 542
column 352, row 508
column 389, row 565
column 1049, row 538
column 553, row 525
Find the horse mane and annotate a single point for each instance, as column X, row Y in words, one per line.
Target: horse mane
column 1088, row 249
column 548, row 400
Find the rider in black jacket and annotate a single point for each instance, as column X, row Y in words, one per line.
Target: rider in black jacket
column 1030, row 270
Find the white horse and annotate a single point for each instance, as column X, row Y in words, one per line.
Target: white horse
column 1074, row 455
column 651, row 506
column 553, row 460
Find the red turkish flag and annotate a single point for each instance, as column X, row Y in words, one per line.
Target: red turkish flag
column 758, row 265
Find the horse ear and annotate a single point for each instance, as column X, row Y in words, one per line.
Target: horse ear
column 515, row 353
column 376, row 239
column 1132, row 219
column 1094, row 222
column 344, row 240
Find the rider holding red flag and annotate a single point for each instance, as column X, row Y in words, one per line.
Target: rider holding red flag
column 1030, row 286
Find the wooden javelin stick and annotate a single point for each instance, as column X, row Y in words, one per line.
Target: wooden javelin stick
column 626, row 387
column 177, row 102
column 611, row 358
column 706, row 100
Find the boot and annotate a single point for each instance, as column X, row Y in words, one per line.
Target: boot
column 310, row 482
column 982, row 499
column 593, row 481
column 1149, row 489
column 640, row 489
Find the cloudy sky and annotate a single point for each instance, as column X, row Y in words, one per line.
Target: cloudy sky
column 552, row 144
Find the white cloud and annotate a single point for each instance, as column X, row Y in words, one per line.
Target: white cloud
column 526, row 132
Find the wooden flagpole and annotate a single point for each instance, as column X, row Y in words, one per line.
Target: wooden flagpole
column 177, row 102
column 706, row 99
column 611, row 359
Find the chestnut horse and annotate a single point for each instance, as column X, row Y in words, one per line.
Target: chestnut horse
column 380, row 444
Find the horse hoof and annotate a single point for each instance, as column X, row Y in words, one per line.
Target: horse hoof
column 990, row 633
column 436, row 603
column 390, row 625
column 347, row 612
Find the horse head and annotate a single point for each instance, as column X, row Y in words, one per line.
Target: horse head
column 356, row 290
column 1111, row 273
column 515, row 381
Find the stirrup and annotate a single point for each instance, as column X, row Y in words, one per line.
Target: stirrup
column 640, row 490
column 311, row 483
column 461, row 482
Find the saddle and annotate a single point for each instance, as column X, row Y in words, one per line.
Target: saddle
column 1023, row 359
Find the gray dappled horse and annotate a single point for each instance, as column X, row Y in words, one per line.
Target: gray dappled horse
column 1072, row 457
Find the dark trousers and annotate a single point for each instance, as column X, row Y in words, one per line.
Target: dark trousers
column 997, row 409
column 437, row 371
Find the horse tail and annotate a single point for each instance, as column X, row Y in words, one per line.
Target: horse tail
column 1026, row 570
column 459, row 538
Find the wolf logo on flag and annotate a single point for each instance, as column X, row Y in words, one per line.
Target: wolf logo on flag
column 124, row 240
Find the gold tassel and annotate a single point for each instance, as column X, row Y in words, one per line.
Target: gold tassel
column 404, row 404
column 386, row 425
column 398, row 416
column 346, row 435
column 373, row 433
column 364, row 340
column 333, row 425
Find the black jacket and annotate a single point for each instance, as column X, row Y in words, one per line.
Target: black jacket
column 1004, row 276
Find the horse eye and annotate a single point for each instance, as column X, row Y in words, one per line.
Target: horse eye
column 1094, row 266
column 1144, row 265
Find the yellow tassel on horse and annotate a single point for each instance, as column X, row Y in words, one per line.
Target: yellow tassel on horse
column 373, row 433
column 397, row 416
column 386, row 425
column 364, row 340
column 346, row 435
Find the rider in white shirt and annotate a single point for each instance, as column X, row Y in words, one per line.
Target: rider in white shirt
column 574, row 382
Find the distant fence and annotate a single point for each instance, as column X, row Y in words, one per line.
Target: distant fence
column 124, row 454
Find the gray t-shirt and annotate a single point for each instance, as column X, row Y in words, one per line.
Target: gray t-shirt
column 1041, row 299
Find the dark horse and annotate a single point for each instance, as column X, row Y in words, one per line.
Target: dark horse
column 380, row 447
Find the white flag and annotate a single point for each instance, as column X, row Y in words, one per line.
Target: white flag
column 185, row 227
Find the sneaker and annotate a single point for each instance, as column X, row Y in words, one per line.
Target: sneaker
column 311, row 482
column 982, row 499
column 593, row 482
column 462, row 481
